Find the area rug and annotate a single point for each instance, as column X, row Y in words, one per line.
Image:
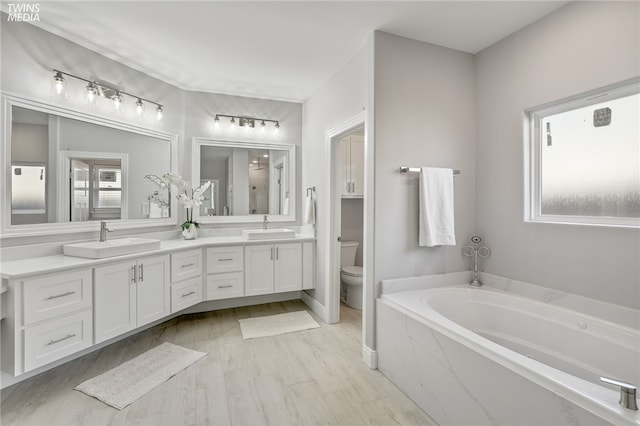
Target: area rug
column 274, row 325
column 133, row 379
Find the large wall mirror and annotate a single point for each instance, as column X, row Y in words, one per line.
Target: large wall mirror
column 248, row 180
column 64, row 171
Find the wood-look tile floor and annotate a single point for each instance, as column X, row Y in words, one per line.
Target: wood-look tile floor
column 306, row 378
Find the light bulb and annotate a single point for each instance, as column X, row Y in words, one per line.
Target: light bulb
column 59, row 83
column 139, row 108
column 216, row 122
column 92, row 95
column 59, row 86
column 233, row 123
column 159, row 113
column 117, row 101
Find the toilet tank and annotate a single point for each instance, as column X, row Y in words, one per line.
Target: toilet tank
column 348, row 253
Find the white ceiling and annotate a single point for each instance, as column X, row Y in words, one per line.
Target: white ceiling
column 278, row 50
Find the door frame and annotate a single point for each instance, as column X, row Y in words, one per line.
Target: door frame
column 333, row 211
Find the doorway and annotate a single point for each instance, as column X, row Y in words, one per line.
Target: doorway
column 343, row 184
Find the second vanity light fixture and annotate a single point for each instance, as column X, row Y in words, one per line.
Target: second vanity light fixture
column 246, row 122
column 96, row 89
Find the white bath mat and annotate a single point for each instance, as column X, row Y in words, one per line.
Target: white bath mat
column 133, row 379
column 274, row 325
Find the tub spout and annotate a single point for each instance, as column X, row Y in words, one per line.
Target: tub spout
column 627, row 393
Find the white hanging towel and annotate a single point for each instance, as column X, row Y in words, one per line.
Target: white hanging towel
column 310, row 211
column 436, row 207
column 285, row 206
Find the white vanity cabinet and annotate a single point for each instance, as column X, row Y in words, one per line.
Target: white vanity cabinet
column 48, row 317
column 186, row 279
column 352, row 158
column 273, row 268
column 130, row 294
column 225, row 272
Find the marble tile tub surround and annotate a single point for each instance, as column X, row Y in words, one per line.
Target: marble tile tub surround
column 607, row 311
column 459, row 386
column 443, row 366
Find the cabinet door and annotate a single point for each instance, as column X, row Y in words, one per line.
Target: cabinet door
column 356, row 156
column 288, row 267
column 115, row 300
column 345, row 167
column 259, row 269
column 153, row 291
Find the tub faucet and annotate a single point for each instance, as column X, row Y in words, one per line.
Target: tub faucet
column 627, row 393
column 103, row 231
column 264, row 222
column 475, row 252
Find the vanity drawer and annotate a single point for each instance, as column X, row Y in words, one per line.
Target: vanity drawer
column 185, row 294
column 186, row 264
column 52, row 295
column 224, row 259
column 52, row 340
column 225, row 286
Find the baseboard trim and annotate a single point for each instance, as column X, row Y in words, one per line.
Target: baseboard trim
column 315, row 306
column 370, row 357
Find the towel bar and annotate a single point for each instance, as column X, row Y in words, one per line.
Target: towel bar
column 404, row 170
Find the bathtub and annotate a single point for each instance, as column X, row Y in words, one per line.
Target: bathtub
column 490, row 355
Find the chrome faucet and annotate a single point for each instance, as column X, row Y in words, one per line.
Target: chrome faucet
column 103, row 231
column 264, row 222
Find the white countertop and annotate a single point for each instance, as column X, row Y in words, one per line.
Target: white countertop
column 46, row 264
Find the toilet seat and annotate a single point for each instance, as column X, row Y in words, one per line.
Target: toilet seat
column 352, row 271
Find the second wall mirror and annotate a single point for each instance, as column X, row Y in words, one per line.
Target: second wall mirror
column 248, row 180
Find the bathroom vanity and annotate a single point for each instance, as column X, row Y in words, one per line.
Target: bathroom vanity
column 60, row 306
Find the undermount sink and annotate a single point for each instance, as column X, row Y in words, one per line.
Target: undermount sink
column 117, row 247
column 268, row 234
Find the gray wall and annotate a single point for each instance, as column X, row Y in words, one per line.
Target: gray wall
column 352, row 223
column 344, row 96
column 424, row 116
column 580, row 47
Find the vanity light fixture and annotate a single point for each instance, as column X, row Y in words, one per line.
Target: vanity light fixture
column 95, row 89
column 246, row 122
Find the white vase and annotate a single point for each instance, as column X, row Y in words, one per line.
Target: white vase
column 190, row 233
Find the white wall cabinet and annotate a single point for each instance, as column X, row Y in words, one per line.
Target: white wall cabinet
column 273, row 268
column 352, row 159
column 129, row 295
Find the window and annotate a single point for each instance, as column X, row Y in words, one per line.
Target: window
column 28, row 188
column 583, row 161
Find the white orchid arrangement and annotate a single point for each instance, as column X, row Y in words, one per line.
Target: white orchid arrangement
column 187, row 195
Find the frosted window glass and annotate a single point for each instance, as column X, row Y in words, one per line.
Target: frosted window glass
column 28, row 189
column 590, row 169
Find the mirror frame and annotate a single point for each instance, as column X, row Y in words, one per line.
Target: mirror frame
column 7, row 230
column 198, row 142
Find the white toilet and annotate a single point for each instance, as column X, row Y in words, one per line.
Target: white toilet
column 350, row 275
